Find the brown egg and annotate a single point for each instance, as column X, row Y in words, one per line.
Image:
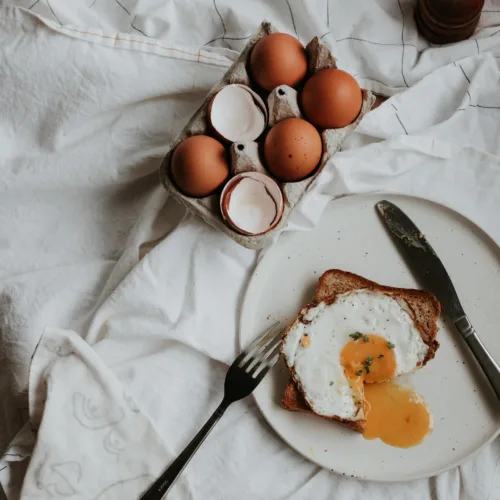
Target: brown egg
column 331, row 99
column 292, row 149
column 199, row 165
column 278, row 59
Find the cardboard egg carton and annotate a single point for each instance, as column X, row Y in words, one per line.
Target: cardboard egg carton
column 246, row 156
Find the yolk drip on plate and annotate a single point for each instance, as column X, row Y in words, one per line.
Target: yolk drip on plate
column 398, row 416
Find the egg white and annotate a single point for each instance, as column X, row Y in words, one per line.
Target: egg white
column 317, row 367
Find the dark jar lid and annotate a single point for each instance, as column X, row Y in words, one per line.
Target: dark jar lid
column 447, row 21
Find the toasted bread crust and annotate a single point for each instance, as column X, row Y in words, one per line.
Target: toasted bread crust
column 423, row 307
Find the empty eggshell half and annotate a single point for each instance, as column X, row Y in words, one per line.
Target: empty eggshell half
column 252, row 203
column 237, row 113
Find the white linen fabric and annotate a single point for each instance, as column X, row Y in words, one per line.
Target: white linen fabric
column 132, row 302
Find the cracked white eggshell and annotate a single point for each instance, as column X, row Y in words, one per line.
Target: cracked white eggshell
column 237, row 113
column 252, row 203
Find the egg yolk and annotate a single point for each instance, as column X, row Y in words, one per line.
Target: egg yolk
column 399, row 417
column 368, row 358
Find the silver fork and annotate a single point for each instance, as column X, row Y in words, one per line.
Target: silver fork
column 243, row 376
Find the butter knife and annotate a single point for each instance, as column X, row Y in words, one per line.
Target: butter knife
column 431, row 272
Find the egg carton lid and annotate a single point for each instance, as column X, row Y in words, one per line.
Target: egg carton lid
column 282, row 104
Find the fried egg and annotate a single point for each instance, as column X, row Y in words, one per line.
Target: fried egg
column 344, row 356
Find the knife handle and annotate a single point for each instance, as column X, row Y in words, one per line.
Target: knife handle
column 483, row 357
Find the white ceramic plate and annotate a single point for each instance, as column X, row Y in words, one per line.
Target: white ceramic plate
column 351, row 237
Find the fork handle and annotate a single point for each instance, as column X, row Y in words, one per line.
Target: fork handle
column 163, row 484
column 484, row 358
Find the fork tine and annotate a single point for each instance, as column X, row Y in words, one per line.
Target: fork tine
column 266, row 358
column 258, row 344
column 267, row 366
column 262, row 337
column 245, row 352
column 256, row 355
column 265, row 334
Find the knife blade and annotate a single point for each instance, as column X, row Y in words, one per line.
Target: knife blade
column 430, row 271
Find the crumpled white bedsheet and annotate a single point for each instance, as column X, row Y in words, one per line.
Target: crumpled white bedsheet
column 91, row 246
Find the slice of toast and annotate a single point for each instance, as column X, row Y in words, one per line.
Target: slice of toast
column 423, row 307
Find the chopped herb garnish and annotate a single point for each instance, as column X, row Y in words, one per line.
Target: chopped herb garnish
column 359, row 373
column 331, row 383
column 380, row 356
column 390, row 345
column 368, row 362
column 359, row 335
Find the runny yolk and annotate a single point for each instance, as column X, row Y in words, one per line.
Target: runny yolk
column 368, row 359
column 397, row 416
